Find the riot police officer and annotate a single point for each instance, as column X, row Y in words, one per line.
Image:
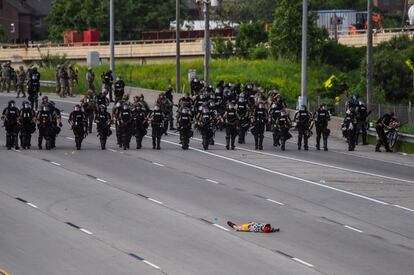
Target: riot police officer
column 382, row 124
column 119, row 89
column 231, row 120
column 107, row 81
column 258, row 120
column 157, row 125
column 362, row 124
column 11, row 116
column 243, row 113
column 321, row 118
column 103, row 125
column 349, row 128
column 88, row 104
column 44, row 120
column 56, row 123
column 140, row 123
column 34, row 87
column 206, row 124
column 77, row 120
column 283, row 125
column 116, row 111
column 184, row 122
column 125, row 125
column 27, row 125
column 303, row 119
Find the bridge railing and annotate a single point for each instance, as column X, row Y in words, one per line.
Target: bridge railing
column 94, row 44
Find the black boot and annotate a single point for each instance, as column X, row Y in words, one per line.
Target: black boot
column 228, row 143
column 256, row 142
column 154, row 143
column 159, row 143
column 325, row 144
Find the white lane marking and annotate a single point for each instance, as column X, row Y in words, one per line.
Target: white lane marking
column 101, row 180
column 326, row 165
column 85, row 231
column 151, row 264
column 221, row 227
column 353, row 228
column 275, row 201
column 31, row 204
column 286, row 175
column 302, row 262
column 212, row 181
column 16, row 150
column 402, row 207
column 151, row 199
column 55, row 163
column 158, row 164
column 70, row 138
column 112, row 150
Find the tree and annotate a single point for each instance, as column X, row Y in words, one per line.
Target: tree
column 131, row 17
column 244, row 11
column 286, row 32
column 248, row 36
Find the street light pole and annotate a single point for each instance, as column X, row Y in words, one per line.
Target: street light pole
column 370, row 66
column 112, row 36
column 206, row 40
column 304, row 83
column 177, row 56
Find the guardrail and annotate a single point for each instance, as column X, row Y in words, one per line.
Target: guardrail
column 47, row 83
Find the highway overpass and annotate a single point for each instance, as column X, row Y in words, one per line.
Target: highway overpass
column 133, row 51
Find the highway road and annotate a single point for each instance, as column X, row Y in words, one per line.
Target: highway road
column 164, row 212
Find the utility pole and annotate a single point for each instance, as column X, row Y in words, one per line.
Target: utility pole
column 370, row 50
column 206, row 40
column 177, row 55
column 304, row 83
column 112, row 36
column 404, row 14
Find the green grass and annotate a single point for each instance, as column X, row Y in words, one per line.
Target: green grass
column 267, row 73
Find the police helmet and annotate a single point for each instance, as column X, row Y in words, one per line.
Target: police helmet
column 261, row 105
column 77, row 108
column 186, row 96
column 45, row 108
column 303, row 108
column 125, row 106
column 12, row 103
column 185, row 110
column 118, row 105
column 102, row 107
column 157, row 107
column 230, row 106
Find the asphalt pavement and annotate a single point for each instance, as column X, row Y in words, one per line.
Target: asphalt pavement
column 149, row 212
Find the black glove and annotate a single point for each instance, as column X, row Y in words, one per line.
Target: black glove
column 60, row 124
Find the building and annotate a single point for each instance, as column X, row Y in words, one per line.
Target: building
column 390, row 6
column 24, row 20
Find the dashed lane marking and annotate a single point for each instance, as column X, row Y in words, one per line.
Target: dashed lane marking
column 31, row 205
column 55, row 163
column 79, row 228
column 302, row 262
column 111, row 150
column 212, row 181
column 353, row 228
column 221, row 227
column 158, row 164
column 275, row 201
column 101, row 180
column 151, row 264
column 151, row 199
column 86, row 231
column 144, row 261
column 70, row 138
